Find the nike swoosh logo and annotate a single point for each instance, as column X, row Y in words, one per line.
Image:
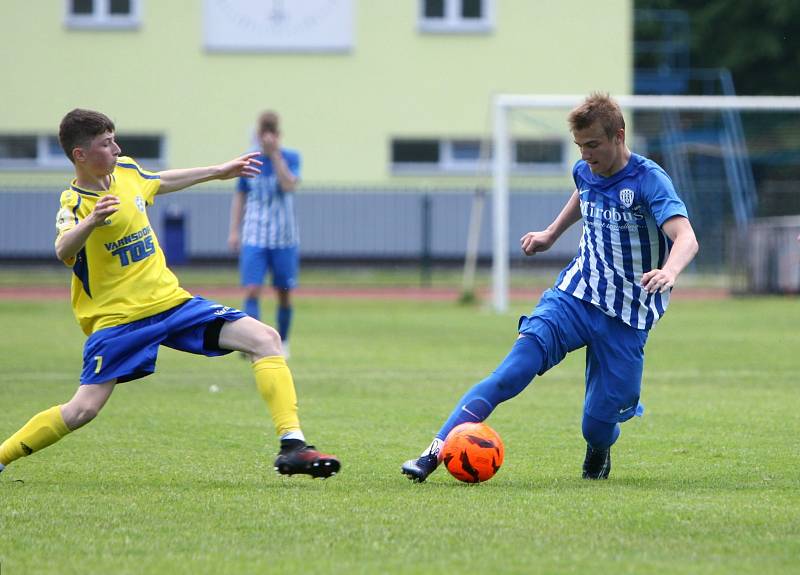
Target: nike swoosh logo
column 464, row 408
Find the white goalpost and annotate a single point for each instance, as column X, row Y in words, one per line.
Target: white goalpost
column 731, row 146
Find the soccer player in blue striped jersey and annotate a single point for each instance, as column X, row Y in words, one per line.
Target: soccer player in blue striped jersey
column 263, row 228
column 129, row 303
column 636, row 240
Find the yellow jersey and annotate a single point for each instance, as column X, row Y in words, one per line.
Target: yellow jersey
column 120, row 275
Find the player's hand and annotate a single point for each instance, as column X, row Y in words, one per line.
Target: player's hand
column 535, row 242
column 271, row 143
column 246, row 166
column 233, row 242
column 657, row 280
column 105, row 207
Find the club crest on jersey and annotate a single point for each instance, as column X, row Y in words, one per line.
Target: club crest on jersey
column 626, row 197
column 140, row 203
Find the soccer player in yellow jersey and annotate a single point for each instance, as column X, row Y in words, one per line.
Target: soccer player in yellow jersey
column 129, row 303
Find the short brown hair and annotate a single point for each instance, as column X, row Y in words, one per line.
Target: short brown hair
column 79, row 127
column 268, row 122
column 597, row 107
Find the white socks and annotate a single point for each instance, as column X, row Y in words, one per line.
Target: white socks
column 294, row 435
column 434, row 448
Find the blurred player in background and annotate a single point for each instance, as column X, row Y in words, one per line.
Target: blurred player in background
column 129, row 303
column 636, row 239
column 263, row 228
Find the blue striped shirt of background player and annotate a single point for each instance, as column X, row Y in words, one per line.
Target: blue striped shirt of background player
column 269, row 216
column 622, row 239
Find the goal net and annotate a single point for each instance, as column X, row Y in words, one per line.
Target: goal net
column 732, row 159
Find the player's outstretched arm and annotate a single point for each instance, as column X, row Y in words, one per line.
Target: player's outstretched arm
column 684, row 248
column 246, row 166
column 70, row 242
column 535, row 242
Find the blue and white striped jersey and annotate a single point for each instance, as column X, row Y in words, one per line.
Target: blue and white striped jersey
column 269, row 217
column 622, row 239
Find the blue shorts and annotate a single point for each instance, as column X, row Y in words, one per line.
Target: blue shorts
column 562, row 323
column 129, row 351
column 281, row 263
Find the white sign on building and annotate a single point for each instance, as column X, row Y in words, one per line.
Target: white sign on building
column 278, row 25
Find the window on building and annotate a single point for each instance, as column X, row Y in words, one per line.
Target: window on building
column 19, row 148
column 539, row 152
column 433, row 8
column 456, row 16
column 415, row 152
column 463, row 156
column 43, row 152
column 102, row 14
column 144, row 149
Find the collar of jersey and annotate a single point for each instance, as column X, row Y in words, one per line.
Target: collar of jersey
column 603, row 182
column 75, row 187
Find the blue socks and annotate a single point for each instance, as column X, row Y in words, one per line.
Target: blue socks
column 599, row 434
column 251, row 307
column 516, row 371
column 284, row 321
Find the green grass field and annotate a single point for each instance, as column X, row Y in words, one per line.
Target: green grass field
column 172, row 478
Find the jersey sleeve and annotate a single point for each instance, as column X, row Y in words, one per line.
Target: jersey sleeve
column 67, row 216
column 293, row 162
column 150, row 181
column 243, row 185
column 661, row 197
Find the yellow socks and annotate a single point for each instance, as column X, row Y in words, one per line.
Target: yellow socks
column 275, row 384
column 273, row 379
column 43, row 429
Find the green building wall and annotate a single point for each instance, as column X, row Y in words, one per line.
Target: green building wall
column 340, row 109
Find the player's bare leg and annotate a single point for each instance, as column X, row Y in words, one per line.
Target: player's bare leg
column 49, row 426
column 86, row 404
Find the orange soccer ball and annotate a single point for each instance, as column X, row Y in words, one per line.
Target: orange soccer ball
column 472, row 452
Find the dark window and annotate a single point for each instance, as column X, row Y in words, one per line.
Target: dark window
column 466, row 150
column 54, row 146
column 120, row 7
column 18, row 147
column 472, row 9
column 415, row 152
column 539, row 152
column 140, row 147
column 434, row 8
column 82, row 6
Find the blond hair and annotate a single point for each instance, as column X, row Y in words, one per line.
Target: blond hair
column 597, row 107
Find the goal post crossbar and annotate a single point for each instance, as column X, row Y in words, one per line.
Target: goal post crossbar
column 503, row 103
column 775, row 103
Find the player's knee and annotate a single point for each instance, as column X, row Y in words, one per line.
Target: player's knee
column 79, row 414
column 599, row 434
column 284, row 297
column 252, row 291
column 266, row 342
